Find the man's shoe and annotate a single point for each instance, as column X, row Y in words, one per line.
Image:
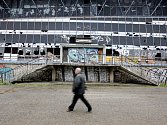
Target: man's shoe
column 69, row 110
column 89, row 110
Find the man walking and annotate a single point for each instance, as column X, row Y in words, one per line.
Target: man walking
column 79, row 90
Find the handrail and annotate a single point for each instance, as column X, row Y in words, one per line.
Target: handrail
column 20, row 66
column 141, row 66
column 44, row 60
column 143, row 71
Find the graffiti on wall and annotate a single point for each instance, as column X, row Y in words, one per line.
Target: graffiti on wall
column 82, row 55
column 92, row 75
column 5, row 72
column 68, row 74
column 59, row 76
column 40, row 75
column 104, row 75
column 155, row 74
column 91, row 55
column 159, row 74
column 98, row 74
column 76, row 55
column 48, row 11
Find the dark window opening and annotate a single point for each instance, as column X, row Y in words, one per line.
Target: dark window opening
column 42, row 52
column 72, row 39
column 14, row 50
column 20, row 52
column 7, row 50
column 87, row 36
column 86, row 1
column 100, row 8
column 56, row 51
column 157, row 48
column 50, row 50
column 115, row 53
column 108, row 52
column 28, row 53
column 158, row 55
column 36, row 51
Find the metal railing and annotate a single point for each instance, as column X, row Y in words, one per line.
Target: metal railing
column 28, row 67
column 87, row 59
column 138, row 70
column 23, row 59
column 19, row 71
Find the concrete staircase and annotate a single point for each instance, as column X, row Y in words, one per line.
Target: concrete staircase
column 28, row 68
column 129, row 66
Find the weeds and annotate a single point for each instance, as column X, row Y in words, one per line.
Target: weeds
column 163, row 85
column 3, row 83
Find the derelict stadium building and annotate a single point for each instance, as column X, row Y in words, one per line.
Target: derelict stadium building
column 71, row 31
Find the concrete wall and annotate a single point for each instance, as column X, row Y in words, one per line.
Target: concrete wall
column 93, row 74
column 161, row 71
column 123, row 77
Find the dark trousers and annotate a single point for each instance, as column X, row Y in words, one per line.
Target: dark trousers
column 75, row 99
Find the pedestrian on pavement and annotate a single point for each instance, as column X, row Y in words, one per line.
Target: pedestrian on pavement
column 79, row 90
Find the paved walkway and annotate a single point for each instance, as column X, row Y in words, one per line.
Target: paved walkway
column 112, row 105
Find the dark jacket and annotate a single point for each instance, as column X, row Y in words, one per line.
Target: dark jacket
column 79, row 84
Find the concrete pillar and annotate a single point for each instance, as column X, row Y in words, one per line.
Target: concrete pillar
column 112, row 75
column 61, row 54
column 53, row 74
column 104, row 55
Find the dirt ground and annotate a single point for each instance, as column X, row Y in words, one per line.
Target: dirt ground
column 112, row 105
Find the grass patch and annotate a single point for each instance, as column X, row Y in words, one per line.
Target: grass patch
column 3, row 83
column 163, row 85
column 31, row 84
column 48, row 85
